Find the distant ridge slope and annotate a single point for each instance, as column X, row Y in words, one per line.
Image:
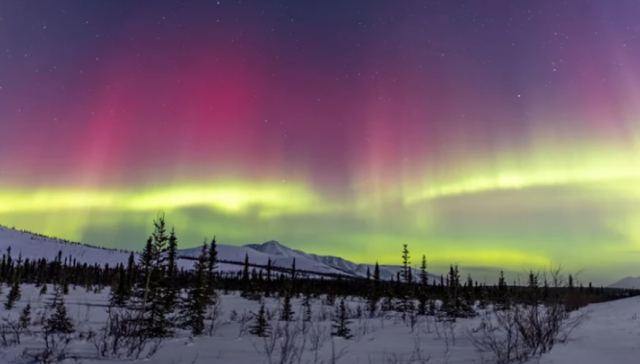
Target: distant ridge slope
column 627, row 283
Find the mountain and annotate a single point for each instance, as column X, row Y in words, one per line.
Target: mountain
column 342, row 266
column 35, row 246
column 627, row 283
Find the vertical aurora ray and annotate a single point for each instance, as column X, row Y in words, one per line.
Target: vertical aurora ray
column 490, row 135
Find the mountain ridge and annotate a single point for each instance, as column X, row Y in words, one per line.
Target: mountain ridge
column 36, row 246
column 626, row 283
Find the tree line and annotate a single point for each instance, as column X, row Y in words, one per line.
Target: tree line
column 160, row 297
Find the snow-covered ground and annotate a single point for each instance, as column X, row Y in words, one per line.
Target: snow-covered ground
column 610, row 333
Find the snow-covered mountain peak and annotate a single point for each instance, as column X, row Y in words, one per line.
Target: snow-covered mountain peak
column 273, row 247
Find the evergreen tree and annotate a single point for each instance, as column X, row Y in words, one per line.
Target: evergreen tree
column 260, row 325
column 376, row 273
column 341, row 322
column 120, row 294
column 152, row 293
column 267, row 286
column 533, row 288
column 131, row 273
column 147, row 259
column 171, row 284
column 25, row 317
column 469, row 291
column 374, row 294
column 422, row 289
column 212, row 265
column 194, row 306
column 286, row 314
column 14, row 292
column 293, row 269
column 269, row 269
column 454, row 306
column 58, row 322
column 570, row 282
column 406, row 264
column 503, row 293
column 405, row 304
column 245, row 268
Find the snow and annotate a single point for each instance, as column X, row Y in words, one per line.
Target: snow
column 610, row 333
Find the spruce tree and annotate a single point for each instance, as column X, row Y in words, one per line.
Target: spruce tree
column 374, row 293
column 422, row 289
column 131, row 273
column 171, row 278
column 376, row 273
column 406, row 264
column 120, row 294
column 152, row 291
column 245, row 268
column 260, row 325
column 194, row 306
column 454, row 306
column 14, row 292
column 147, row 259
column 267, row 286
column 341, row 322
column 286, row 314
column 468, row 291
column 212, row 265
column 58, row 322
column 248, row 286
column 403, row 285
column 269, row 269
column 533, row 288
column 25, row 317
column 503, row 293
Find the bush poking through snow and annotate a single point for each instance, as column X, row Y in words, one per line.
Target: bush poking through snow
column 123, row 336
column 522, row 332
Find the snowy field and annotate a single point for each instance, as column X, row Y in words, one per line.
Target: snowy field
column 609, row 333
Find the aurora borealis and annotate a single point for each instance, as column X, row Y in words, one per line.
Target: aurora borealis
column 489, row 134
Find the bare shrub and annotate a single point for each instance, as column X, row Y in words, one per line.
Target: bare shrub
column 318, row 337
column 416, row 356
column 523, row 332
column 123, row 336
column 55, row 349
column 286, row 344
column 243, row 320
column 10, row 332
column 214, row 316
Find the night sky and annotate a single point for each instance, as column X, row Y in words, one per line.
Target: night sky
column 484, row 133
